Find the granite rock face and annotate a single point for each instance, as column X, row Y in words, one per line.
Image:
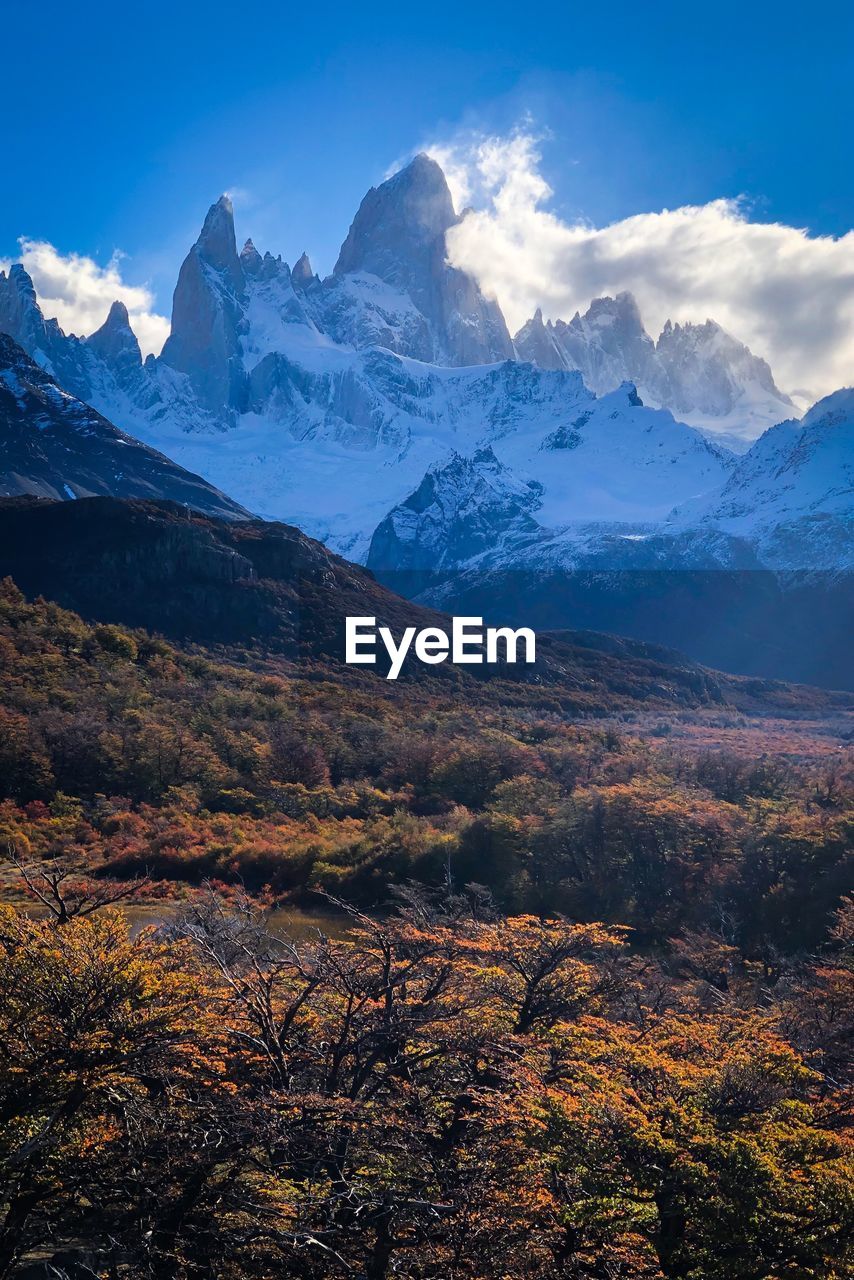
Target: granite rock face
column 116, row 344
column 207, row 314
column 398, row 237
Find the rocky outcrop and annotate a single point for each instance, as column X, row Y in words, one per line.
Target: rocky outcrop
column 302, row 275
column 459, row 510
column 20, row 314
column 65, row 357
column 250, row 259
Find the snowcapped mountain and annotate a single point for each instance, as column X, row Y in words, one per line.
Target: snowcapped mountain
column 461, row 509
column 54, row 446
column 792, row 494
column 398, row 237
column 326, row 402
column 386, row 411
column 788, row 504
column 698, row 371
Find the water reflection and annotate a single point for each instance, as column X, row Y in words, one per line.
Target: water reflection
column 288, row 922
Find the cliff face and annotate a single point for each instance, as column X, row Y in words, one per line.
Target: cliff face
column 398, row 237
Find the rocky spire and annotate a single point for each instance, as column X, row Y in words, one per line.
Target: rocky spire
column 302, row 274
column 207, row 310
column 395, row 230
column 399, row 235
column 20, row 314
column 115, row 342
column 535, row 342
column 216, row 244
column 250, row 259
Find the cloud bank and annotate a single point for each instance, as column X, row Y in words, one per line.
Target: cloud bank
column 787, row 294
column 78, row 293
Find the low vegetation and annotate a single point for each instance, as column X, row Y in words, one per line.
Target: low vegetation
column 588, row 1016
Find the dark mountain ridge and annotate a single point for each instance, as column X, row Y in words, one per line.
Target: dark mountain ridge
column 264, row 590
column 53, row 445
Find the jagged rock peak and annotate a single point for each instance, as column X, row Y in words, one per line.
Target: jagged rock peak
column 207, row 310
column 302, row 274
column 18, row 298
column 216, row 243
column 536, row 343
column 622, row 309
column 408, row 212
column 22, row 280
column 425, row 176
column 117, row 316
column 115, row 340
column 250, row 258
column 20, row 313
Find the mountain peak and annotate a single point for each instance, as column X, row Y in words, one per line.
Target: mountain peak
column 20, row 313
column 207, row 307
column 622, row 310
column 20, row 288
column 399, row 222
column 216, row 243
column 115, row 342
column 535, row 342
column 250, row 258
column 425, row 173
column 831, row 410
column 22, row 279
column 398, row 235
column 117, row 316
column 302, row 274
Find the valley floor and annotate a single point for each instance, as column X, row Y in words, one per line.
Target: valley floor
column 578, row 1005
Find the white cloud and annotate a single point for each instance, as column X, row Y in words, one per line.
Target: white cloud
column 78, row 293
column 787, row 294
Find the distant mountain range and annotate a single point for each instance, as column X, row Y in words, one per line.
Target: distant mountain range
column 387, row 411
column 698, row 371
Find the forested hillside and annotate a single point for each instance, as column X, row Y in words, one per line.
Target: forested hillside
column 585, row 1011
column 123, row 751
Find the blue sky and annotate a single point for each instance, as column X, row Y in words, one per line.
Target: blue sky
column 122, row 123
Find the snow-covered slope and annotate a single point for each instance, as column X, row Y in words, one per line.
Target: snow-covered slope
column 54, row 446
column 327, row 402
column 698, row 371
column 385, row 410
column 792, row 494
